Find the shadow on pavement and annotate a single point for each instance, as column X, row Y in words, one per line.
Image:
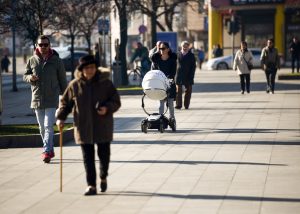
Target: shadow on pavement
column 196, row 162
column 167, row 142
column 206, row 197
column 56, row 161
column 235, row 87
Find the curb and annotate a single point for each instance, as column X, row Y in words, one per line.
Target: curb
column 288, row 77
column 32, row 141
column 130, row 92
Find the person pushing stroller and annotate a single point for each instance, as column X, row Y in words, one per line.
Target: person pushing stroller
column 166, row 61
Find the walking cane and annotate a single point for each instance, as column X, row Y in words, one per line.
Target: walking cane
column 61, row 154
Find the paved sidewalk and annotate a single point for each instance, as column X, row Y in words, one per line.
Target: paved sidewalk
column 232, row 153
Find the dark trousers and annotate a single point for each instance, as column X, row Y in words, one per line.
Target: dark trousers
column 200, row 63
column 88, row 153
column 245, row 81
column 270, row 76
column 5, row 69
column 187, row 96
column 295, row 58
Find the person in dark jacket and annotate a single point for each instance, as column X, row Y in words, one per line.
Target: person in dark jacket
column 5, row 64
column 185, row 75
column 165, row 61
column 93, row 99
column 295, row 52
column 142, row 53
column 270, row 63
column 217, row 51
column 46, row 74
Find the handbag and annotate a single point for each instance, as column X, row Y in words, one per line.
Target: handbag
column 250, row 66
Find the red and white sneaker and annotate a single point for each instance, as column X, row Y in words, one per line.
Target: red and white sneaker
column 52, row 154
column 46, row 157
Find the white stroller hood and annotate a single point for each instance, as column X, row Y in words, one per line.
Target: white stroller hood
column 155, row 85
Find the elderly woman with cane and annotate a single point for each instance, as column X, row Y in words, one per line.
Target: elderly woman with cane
column 93, row 99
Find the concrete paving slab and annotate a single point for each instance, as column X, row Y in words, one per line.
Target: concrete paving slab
column 232, row 153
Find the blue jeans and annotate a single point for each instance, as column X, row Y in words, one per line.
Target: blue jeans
column 170, row 104
column 46, row 119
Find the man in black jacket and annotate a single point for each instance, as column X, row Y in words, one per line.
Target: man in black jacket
column 295, row 52
column 185, row 75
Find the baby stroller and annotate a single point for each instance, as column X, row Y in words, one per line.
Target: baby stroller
column 155, row 86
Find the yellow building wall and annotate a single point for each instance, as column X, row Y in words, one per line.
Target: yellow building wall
column 215, row 30
column 279, row 28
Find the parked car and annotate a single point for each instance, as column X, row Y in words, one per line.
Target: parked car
column 225, row 62
column 66, row 58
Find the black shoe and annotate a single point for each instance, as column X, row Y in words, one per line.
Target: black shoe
column 103, row 185
column 90, row 190
column 172, row 124
column 267, row 91
column 242, row 92
column 178, row 107
column 248, row 91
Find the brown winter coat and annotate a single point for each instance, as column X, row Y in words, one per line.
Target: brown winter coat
column 81, row 97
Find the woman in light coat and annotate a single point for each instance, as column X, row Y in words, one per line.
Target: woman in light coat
column 243, row 62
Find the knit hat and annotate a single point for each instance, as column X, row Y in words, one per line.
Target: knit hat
column 86, row 60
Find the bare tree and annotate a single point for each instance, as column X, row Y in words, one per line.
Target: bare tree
column 68, row 20
column 89, row 16
column 32, row 16
column 156, row 8
column 5, row 16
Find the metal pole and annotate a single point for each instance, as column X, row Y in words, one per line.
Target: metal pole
column 232, row 36
column 61, row 157
column 14, row 72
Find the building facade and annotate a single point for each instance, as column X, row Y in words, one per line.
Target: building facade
column 258, row 20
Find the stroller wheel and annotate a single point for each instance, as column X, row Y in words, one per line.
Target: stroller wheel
column 144, row 126
column 172, row 124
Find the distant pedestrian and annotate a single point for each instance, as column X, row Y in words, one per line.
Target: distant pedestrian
column 201, row 56
column 97, row 56
column 46, row 74
column 155, row 49
column 25, row 58
column 270, row 63
column 217, row 51
column 93, row 99
column 5, row 64
column 166, row 61
column 243, row 62
column 295, row 52
column 142, row 53
column 185, row 75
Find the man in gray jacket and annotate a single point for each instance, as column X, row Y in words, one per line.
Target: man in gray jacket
column 270, row 63
column 46, row 75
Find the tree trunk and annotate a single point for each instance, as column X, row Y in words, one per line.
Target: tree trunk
column 153, row 23
column 123, row 44
column 88, row 41
column 40, row 18
column 169, row 20
column 72, row 55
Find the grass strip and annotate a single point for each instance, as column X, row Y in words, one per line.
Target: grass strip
column 25, row 129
